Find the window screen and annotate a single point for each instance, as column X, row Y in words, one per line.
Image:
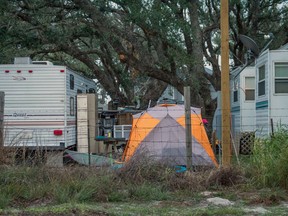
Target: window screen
column 249, row 88
column 281, row 77
column 235, row 96
column 261, row 80
column 72, row 108
column 71, row 81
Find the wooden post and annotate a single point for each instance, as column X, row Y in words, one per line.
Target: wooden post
column 188, row 127
column 225, row 85
column 89, row 147
column 272, row 127
column 213, row 141
column 1, row 119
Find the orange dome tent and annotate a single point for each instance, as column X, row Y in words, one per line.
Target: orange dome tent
column 160, row 131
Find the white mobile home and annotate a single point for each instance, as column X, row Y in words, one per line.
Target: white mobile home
column 171, row 94
column 242, row 98
column 242, row 85
column 271, row 91
column 40, row 103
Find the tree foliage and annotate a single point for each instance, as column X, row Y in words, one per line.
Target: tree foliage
column 251, row 18
column 148, row 43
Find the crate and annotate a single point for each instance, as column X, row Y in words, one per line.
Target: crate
column 124, row 119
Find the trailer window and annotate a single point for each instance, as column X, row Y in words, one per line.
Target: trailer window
column 72, row 108
column 261, row 80
column 281, row 77
column 249, row 88
column 79, row 91
column 71, row 81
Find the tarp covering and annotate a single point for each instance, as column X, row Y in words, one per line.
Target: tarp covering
column 160, row 132
column 83, row 158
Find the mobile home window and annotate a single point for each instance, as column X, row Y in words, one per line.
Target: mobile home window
column 235, row 90
column 249, row 88
column 281, row 77
column 71, row 81
column 72, row 109
column 91, row 90
column 261, row 80
column 235, row 96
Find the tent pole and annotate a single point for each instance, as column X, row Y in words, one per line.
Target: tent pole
column 188, row 127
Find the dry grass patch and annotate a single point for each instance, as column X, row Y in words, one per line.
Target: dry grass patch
column 266, row 197
column 226, row 176
column 144, row 168
column 191, row 181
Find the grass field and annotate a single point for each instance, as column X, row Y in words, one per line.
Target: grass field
column 146, row 187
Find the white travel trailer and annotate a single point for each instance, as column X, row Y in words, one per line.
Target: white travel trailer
column 271, row 91
column 40, row 103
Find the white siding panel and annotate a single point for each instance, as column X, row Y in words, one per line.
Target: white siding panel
column 248, row 118
column 34, row 104
column 262, row 123
column 236, row 122
column 32, row 136
column 71, row 135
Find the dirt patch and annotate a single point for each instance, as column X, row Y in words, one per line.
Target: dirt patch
column 259, row 197
column 73, row 212
column 31, row 203
column 162, row 204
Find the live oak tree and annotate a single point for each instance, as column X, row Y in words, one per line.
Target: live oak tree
column 135, row 48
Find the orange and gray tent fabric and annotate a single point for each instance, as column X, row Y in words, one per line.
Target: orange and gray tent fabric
column 160, row 132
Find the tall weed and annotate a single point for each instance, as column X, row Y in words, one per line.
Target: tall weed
column 269, row 160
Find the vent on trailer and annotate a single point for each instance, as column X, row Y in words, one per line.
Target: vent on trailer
column 22, row 60
column 27, row 60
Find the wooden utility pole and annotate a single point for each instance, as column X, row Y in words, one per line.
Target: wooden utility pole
column 225, row 85
column 188, row 127
column 1, row 119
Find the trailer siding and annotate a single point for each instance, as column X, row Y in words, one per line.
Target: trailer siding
column 279, row 101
